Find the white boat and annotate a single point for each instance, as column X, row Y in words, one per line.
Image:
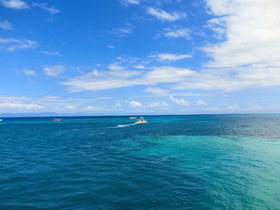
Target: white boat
column 141, row 121
column 132, row 118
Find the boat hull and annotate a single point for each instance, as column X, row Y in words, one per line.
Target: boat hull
column 141, row 122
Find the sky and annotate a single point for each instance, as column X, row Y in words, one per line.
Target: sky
column 147, row 57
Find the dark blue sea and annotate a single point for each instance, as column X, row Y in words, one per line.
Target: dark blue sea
column 173, row 162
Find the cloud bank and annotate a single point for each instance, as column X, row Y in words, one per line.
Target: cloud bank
column 251, row 30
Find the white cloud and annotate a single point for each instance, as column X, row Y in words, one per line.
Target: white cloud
column 157, row 91
column 226, row 79
column 101, row 80
column 15, row 4
column 139, row 66
column 223, row 7
column 9, row 104
column 43, row 6
column 181, row 101
column 233, row 79
column 161, row 2
column 70, row 107
column 54, row 71
column 163, row 15
column 111, row 46
column 218, row 26
column 124, row 31
column 201, row 103
column 128, row 2
column 20, row 106
column 252, row 33
column 95, row 108
column 19, row 4
column 5, row 25
column 89, row 108
column 115, row 67
column 160, row 105
column 13, row 99
column 165, row 74
column 11, row 44
column 54, row 53
column 170, row 57
column 233, row 107
column 178, row 33
column 29, row 72
column 193, row 94
column 135, row 104
column 249, row 108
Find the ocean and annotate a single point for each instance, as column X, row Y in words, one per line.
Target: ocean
column 173, row 162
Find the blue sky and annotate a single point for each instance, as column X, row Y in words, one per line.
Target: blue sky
column 124, row 57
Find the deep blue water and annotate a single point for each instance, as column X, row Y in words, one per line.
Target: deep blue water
column 173, row 162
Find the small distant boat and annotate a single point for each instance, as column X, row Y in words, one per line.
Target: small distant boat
column 1, row 120
column 56, row 119
column 141, row 121
column 132, row 118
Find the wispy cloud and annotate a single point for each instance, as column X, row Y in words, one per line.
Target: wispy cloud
column 201, row 103
column 11, row 44
column 54, row 71
column 178, row 33
column 135, row 104
column 226, row 79
column 52, row 10
column 15, row 4
column 157, row 91
column 111, row 46
column 233, row 79
column 53, row 53
column 51, row 104
column 170, row 57
column 128, row 2
column 161, row 105
column 123, row 31
column 218, row 26
column 29, row 72
column 101, row 80
column 115, row 67
column 5, row 25
column 163, row 15
column 95, row 108
column 18, row 106
column 181, row 101
column 20, row 4
column 70, row 107
column 248, row 108
column 139, row 66
column 118, row 105
column 152, row 105
column 165, row 74
column 252, row 36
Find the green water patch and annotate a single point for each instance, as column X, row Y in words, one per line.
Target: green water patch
column 242, row 172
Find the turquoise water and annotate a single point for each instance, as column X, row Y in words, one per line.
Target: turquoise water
column 179, row 162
